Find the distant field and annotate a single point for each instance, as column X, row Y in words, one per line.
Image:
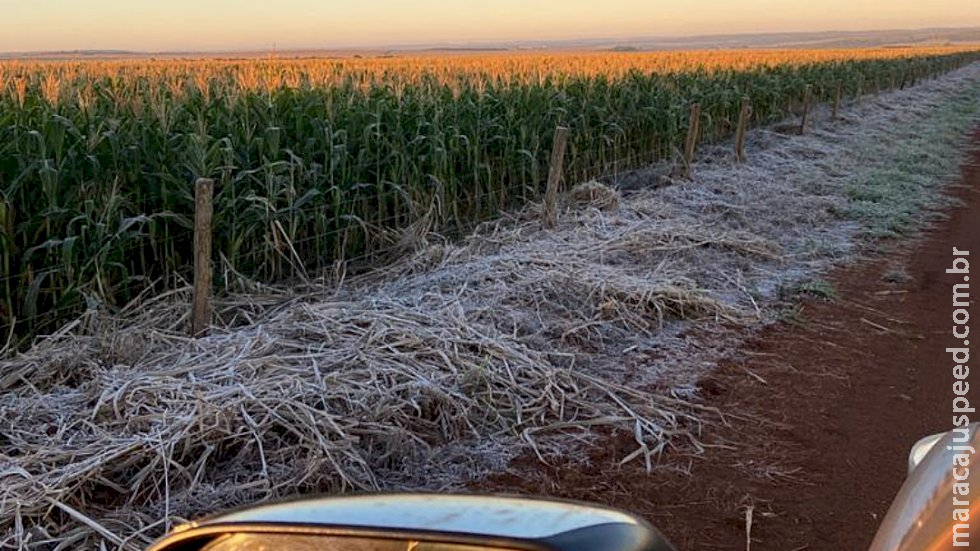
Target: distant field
column 327, row 67
column 322, row 161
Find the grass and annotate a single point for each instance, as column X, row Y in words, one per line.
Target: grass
column 904, row 180
column 821, row 289
column 896, row 275
column 792, row 314
column 811, row 288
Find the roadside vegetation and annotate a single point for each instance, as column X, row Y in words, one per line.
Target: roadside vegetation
column 324, row 163
column 893, row 200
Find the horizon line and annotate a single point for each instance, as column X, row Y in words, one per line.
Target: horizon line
column 484, row 44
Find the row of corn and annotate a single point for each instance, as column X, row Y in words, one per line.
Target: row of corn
column 321, row 161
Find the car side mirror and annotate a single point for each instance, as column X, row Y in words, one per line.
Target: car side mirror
column 418, row 522
column 928, row 511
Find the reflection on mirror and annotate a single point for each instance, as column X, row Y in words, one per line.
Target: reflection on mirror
column 921, row 449
column 305, row 542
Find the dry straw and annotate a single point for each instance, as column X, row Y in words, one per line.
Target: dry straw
column 477, row 348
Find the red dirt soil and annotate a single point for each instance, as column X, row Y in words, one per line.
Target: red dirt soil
column 828, row 407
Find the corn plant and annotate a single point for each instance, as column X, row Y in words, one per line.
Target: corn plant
column 320, row 161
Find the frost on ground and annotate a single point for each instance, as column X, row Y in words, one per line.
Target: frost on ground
column 442, row 367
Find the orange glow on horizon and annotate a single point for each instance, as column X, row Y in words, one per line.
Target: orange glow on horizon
column 185, row 25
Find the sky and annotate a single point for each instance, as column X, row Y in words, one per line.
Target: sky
column 227, row 25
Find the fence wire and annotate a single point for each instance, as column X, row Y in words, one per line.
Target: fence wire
column 278, row 253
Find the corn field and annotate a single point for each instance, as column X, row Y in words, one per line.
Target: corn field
column 319, row 162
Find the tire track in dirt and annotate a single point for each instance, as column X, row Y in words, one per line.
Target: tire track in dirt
column 829, row 404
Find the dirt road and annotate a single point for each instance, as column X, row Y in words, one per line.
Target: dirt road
column 829, row 403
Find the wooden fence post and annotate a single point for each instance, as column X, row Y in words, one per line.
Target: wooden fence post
column 203, row 214
column 807, row 94
column 549, row 211
column 837, row 99
column 693, row 130
column 742, row 130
